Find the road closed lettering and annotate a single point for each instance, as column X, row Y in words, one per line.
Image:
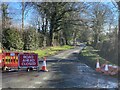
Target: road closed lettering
column 28, row 60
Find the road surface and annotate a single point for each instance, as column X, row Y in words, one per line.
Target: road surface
column 65, row 71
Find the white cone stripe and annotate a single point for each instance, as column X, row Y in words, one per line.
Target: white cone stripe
column 106, row 67
column 44, row 63
column 98, row 65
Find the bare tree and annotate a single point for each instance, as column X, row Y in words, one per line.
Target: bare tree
column 118, row 3
column 5, row 18
column 24, row 12
column 99, row 16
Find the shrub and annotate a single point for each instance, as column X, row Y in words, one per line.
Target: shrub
column 31, row 41
column 12, row 39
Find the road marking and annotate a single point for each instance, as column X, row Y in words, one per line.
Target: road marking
column 44, row 78
column 76, row 51
column 38, row 82
column 31, row 87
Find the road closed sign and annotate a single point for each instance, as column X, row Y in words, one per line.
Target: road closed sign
column 28, row 60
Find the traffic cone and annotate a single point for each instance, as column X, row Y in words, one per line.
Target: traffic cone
column 106, row 68
column 44, row 65
column 98, row 69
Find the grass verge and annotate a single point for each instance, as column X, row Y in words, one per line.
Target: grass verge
column 45, row 51
column 89, row 56
column 51, row 50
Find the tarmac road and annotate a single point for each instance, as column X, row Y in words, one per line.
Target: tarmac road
column 65, row 71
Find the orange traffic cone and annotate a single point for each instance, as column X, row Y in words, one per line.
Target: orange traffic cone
column 106, row 68
column 44, row 65
column 98, row 69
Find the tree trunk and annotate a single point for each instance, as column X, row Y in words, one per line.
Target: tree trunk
column 66, row 41
column 51, row 36
column 52, row 32
column 44, row 30
column 74, row 38
column 23, row 9
column 96, row 37
column 4, row 8
column 45, row 41
column 54, row 40
column 119, row 35
column 3, row 21
column 95, row 40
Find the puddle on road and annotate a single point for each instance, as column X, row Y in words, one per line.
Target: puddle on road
column 91, row 76
column 84, row 68
column 80, row 76
column 107, row 84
